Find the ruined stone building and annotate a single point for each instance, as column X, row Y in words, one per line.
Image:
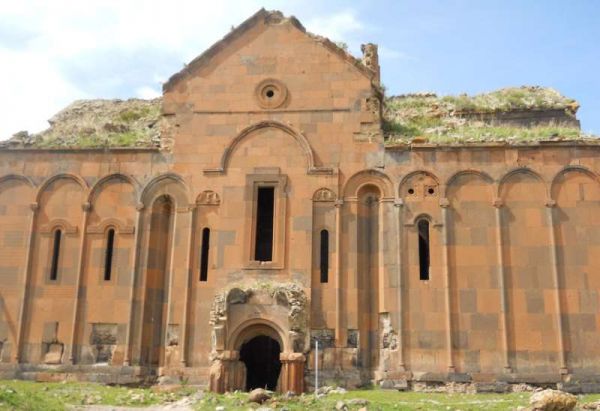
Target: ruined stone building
column 274, row 197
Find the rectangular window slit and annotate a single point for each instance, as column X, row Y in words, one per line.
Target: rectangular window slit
column 204, row 254
column 108, row 257
column 265, row 207
column 324, row 256
column 55, row 255
column 423, row 227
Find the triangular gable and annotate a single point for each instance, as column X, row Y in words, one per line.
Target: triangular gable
column 262, row 16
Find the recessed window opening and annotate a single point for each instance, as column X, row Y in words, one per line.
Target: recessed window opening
column 324, row 256
column 55, row 255
column 411, row 191
column 204, row 254
column 270, row 93
column 108, row 256
column 265, row 207
column 423, row 227
column 430, row 190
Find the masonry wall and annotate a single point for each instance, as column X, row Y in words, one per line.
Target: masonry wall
column 513, row 284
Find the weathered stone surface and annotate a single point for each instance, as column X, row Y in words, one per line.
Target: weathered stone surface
column 54, row 354
column 187, row 290
column 552, row 400
column 259, row 395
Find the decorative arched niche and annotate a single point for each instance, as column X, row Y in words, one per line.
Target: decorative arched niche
column 296, row 135
column 244, row 311
column 234, row 309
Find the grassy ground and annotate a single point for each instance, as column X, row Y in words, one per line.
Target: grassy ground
column 26, row 395
column 23, row 395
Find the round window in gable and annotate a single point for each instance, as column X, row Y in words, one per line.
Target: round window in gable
column 271, row 93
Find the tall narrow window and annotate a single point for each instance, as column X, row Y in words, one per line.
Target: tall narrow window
column 204, row 254
column 324, row 256
column 55, row 255
column 108, row 256
column 423, row 227
column 265, row 205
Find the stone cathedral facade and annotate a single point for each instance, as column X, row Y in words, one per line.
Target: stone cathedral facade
column 268, row 210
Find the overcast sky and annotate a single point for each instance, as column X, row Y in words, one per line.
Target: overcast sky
column 53, row 52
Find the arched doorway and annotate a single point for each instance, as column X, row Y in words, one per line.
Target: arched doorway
column 263, row 366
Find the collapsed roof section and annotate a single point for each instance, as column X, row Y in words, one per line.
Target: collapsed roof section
column 516, row 115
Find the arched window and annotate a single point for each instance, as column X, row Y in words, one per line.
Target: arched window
column 423, row 227
column 324, row 256
column 204, row 254
column 108, row 256
column 55, row 255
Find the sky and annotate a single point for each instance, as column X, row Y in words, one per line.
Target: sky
column 54, row 52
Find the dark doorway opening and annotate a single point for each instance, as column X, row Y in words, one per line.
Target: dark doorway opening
column 261, row 356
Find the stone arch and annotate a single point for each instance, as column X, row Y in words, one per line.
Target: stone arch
column 472, row 264
column 254, row 328
column 17, row 177
column 103, row 205
column 290, row 296
column 16, row 194
column 156, row 283
column 570, row 169
column 516, row 171
column 454, row 179
column 244, row 312
column 109, row 223
column 423, row 216
column 61, row 223
column 82, row 183
column 368, row 177
column 413, row 174
column 527, row 262
column 169, row 184
column 295, row 134
column 576, row 220
column 97, row 187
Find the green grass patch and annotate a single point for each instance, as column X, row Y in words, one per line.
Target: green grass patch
column 435, row 119
column 27, row 395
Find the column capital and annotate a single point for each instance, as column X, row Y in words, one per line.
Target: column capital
column 398, row 202
column 292, row 357
column 140, row 206
column 444, row 202
column 338, row 203
column 34, row 207
column 550, row 203
column 86, row 207
column 498, row 202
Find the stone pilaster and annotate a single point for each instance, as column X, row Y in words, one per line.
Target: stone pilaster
column 292, row 372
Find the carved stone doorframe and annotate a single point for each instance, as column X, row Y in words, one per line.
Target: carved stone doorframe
column 278, row 311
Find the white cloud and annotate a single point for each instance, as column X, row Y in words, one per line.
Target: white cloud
column 147, row 92
column 341, row 26
column 32, row 91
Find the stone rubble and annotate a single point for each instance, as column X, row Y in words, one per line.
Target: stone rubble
column 552, row 400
